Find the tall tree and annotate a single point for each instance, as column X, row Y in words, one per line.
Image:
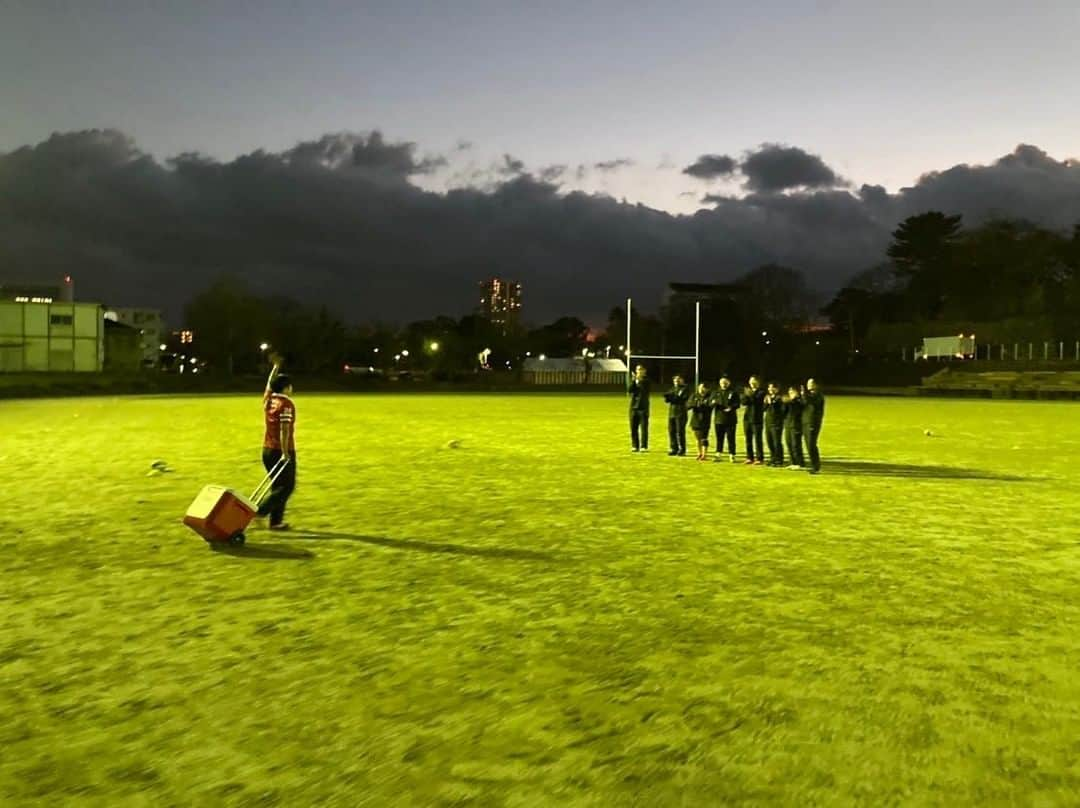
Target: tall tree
column 778, row 294
column 229, row 323
column 923, row 253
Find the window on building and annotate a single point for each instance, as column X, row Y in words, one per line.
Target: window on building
column 60, row 319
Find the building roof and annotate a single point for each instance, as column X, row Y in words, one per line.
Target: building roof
column 706, row 290
column 573, row 363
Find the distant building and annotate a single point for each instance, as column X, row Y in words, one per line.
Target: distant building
column 500, row 303
column 23, row 292
column 149, row 324
column 50, row 336
column 123, row 348
column 703, row 291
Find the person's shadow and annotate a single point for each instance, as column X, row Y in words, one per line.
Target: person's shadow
column 869, row 468
column 279, row 552
column 418, row 546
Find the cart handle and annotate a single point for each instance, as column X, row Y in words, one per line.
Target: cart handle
column 263, row 488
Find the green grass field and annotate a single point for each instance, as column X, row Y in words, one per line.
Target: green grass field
column 539, row 617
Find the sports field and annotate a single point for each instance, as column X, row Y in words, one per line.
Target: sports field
column 538, row 616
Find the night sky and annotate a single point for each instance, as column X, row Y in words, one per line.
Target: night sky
column 385, row 157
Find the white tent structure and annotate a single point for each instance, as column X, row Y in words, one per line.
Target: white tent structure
column 574, row 370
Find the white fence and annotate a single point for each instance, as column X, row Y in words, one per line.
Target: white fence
column 567, row 377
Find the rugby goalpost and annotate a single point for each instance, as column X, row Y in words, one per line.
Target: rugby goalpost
column 630, row 355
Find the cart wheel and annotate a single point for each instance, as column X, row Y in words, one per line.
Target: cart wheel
column 237, row 539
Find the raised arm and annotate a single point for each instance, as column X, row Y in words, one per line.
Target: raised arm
column 273, row 375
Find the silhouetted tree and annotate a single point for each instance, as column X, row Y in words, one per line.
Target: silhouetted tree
column 923, row 252
column 229, row 324
column 778, row 294
column 564, row 337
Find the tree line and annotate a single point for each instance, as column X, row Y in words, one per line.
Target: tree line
column 1011, row 277
column 936, row 273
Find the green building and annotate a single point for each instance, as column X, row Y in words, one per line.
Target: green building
column 51, row 337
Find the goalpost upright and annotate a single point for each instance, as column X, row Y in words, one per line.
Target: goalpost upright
column 630, row 356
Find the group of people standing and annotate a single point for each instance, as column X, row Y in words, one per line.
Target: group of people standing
column 771, row 417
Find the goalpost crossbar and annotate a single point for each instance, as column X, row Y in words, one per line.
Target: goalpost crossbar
column 696, row 357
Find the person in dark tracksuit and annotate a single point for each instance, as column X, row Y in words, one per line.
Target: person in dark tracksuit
column 812, row 415
column 774, row 424
column 701, row 407
column 793, row 427
column 676, row 399
column 639, row 410
column 752, row 400
column 726, row 407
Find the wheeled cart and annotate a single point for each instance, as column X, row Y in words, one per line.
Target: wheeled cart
column 221, row 515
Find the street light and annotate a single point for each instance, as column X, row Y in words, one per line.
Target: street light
column 263, row 346
column 434, row 347
column 404, row 353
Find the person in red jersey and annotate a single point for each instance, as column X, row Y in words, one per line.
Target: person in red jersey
column 279, row 441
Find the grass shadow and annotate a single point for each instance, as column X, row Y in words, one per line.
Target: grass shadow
column 264, row 551
column 429, row 547
column 867, row 468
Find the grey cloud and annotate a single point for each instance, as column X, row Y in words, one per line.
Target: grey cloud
column 552, row 173
column 613, row 165
column 774, row 167
column 1027, row 183
column 368, row 153
column 711, row 166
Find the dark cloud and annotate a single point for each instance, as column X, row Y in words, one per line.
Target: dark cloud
column 613, row 165
column 1027, row 183
column 581, row 172
column 339, row 220
column 552, row 173
column 511, row 166
column 773, row 167
column 711, row 166
column 369, row 154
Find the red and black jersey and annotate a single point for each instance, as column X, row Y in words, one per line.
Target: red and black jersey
column 279, row 410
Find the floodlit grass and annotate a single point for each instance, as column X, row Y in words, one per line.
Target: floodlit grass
column 539, row 617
